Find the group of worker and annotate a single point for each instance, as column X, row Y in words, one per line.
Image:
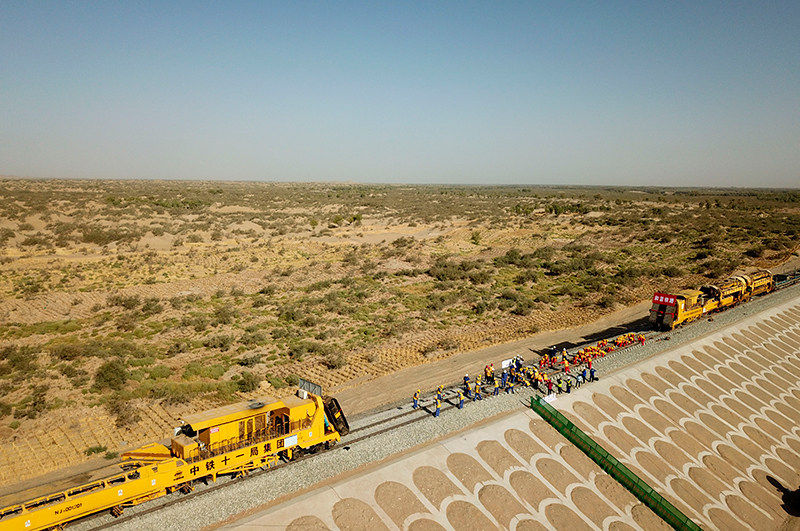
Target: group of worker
column 563, row 360
column 516, row 374
column 440, row 397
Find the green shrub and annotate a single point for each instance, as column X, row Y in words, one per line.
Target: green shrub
column 33, row 404
column 178, row 346
column 125, row 414
column 152, row 306
column 111, row 375
column 129, row 302
column 249, row 361
column 252, row 338
column 672, row 271
column 523, row 307
column 516, row 258
column 28, row 285
column 71, row 371
column 22, row 359
column 219, row 341
column 756, row 251
column 525, row 277
column 606, row 301
column 289, row 312
column 198, row 322
column 334, row 360
column 276, row 381
column 269, row 289
column 67, row 349
column 439, row 301
column 224, row 315
column 248, row 382
column 126, row 322
column 95, row 450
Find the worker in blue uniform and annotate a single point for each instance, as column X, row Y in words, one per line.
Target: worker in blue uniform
column 438, row 407
column 416, row 400
column 460, row 399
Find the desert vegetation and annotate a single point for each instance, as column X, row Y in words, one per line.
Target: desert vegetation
column 120, row 294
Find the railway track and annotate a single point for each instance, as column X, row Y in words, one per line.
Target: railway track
column 389, row 424
column 382, row 426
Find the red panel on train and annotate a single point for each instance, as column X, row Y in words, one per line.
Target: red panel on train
column 663, row 298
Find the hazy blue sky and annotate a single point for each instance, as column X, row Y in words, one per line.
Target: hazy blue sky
column 674, row 93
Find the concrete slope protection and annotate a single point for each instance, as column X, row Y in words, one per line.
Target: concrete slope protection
column 711, row 425
column 514, row 473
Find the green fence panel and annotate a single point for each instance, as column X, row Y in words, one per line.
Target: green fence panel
column 643, row 492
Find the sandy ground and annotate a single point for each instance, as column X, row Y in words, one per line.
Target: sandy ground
column 712, row 426
column 33, row 453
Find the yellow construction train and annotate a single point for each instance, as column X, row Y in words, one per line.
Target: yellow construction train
column 671, row 309
column 232, row 439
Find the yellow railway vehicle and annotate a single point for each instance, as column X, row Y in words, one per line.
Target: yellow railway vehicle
column 232, row 439
column 670, row 310
column 762, row 282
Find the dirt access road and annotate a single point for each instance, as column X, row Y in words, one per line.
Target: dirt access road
column 401, row 385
